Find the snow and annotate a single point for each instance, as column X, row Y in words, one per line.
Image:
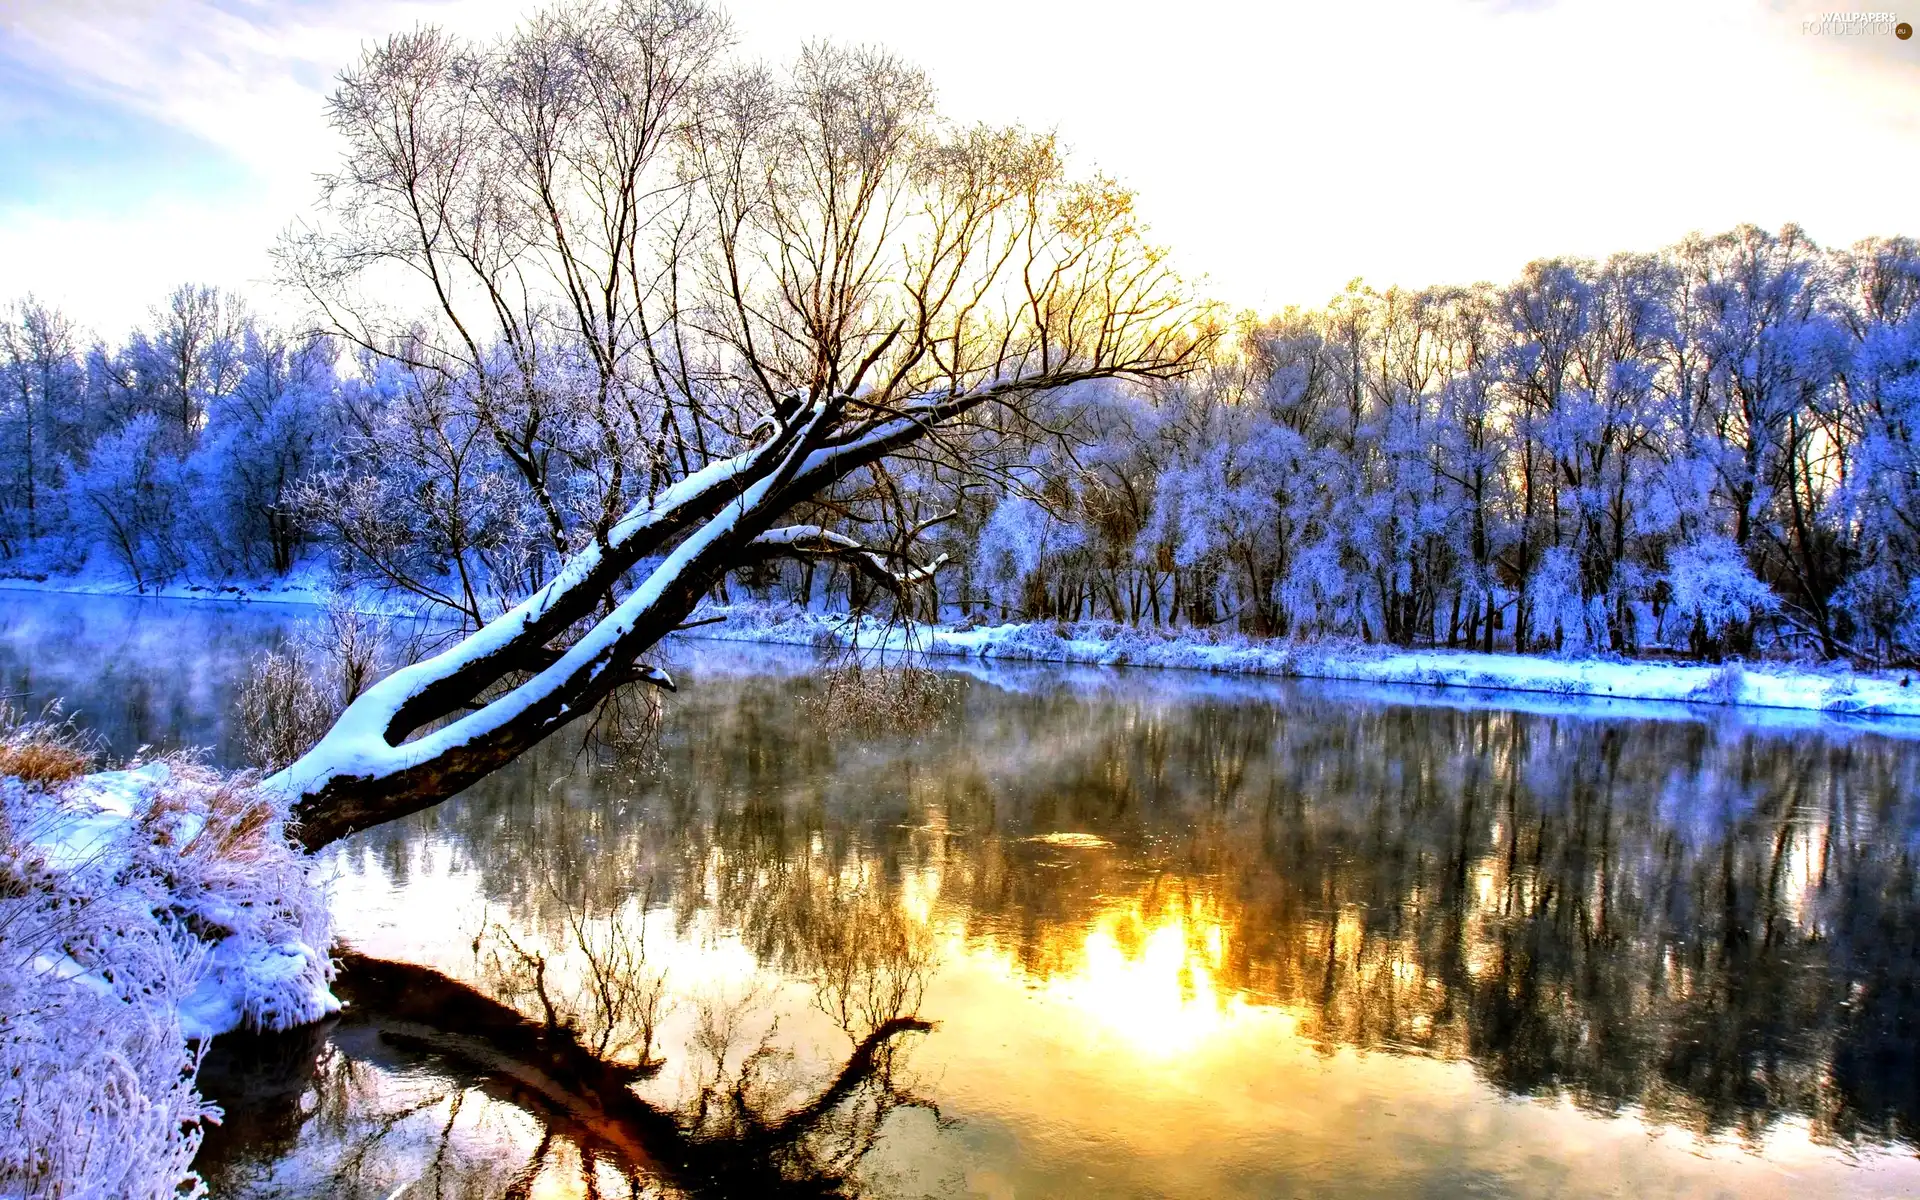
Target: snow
column 309, row 585
column 139, row 829
column 152, row 908
column 1832, row 690
column 86, row 832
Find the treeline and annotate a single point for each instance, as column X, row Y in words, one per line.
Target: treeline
column 1709, row 449
column 175, row 453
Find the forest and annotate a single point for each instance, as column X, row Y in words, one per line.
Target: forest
column 559, row 274
column 1704, row 449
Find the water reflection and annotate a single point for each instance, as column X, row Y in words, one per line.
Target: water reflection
column 1175, row 937
column 428, row 1085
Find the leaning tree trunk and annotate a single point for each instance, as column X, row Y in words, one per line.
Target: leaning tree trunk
column 556, row 655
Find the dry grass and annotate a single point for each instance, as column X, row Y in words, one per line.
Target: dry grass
column 286, row 704
column 238, row 820
column 238, row 826
column 863, row 699
column 44, row 751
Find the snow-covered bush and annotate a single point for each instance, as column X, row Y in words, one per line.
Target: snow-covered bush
column 142, row 911
column 1712, row 584
column 1907, row 632
column 96, row 1079
column 130, row 497
column 1559, row 606
column 1319, row 588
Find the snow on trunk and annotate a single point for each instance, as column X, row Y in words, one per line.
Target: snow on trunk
column 570, row 645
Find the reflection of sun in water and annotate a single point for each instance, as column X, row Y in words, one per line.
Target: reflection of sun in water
column 919, row 891
column 1151, row 979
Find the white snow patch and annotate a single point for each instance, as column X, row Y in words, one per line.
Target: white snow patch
column 263, row 920
column 149, row 910
column 1833, row 689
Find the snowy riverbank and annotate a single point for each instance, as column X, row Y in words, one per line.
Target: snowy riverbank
column 302, row 586
column 1827, row 688
column 1832, row 688
column 145, row 911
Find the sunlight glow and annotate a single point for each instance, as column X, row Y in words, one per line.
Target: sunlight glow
column 1150, row 980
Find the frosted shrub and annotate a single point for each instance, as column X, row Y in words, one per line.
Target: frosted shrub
column 1713, row 584
column 1886, row 607
column 1318, row 584
column 1035, row 640
column 293, row 695
column 96, row 1080
column 1557, row 602
column 1908, row 630
column 284, row 707
column 142, row 911
column 130, row 497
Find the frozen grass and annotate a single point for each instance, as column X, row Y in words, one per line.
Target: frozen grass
column 1830, row 688
column 309, row 584
column 42, row 751
column 142, row 911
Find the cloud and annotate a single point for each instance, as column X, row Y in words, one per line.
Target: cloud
column 85, row 152
column 154, row 141
column 249, row 76
column 1284, row 146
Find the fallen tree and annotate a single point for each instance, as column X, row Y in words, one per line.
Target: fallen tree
column 765, row 296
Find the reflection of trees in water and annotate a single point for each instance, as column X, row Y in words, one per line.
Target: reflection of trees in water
column 1714, row 923
column 442, row 1088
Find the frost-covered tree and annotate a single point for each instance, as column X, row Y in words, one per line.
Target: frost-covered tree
column 1715, row 589
column 1776, row 352
column 188, row 359
column 832, row 278
column 268, row 433
column 1878, row 431
column 130, row 498
column 569, row 268
column 40, row 415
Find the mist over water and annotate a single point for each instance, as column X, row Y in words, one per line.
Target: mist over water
column 1174, row 936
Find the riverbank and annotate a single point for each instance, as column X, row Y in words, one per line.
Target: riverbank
column 1827, row 688
column 144, row 911
column 1832, row 688
column 309, row 585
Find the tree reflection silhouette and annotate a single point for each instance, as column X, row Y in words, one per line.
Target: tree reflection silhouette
column 749, row 1130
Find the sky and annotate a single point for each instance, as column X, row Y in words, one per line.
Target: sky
column 1280, row 148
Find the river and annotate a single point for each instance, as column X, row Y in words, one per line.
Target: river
column 1095, row 933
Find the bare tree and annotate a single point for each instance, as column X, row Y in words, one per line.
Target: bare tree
column 822, row 277
column 39, row 359
column 193, row 357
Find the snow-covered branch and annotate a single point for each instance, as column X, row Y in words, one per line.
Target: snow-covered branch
column 814, row 541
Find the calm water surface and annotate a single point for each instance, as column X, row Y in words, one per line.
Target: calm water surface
column 1175, row 936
